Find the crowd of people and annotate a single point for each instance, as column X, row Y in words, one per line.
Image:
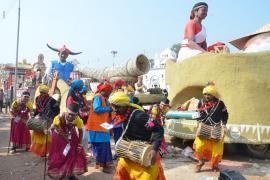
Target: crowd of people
column 63, row 134
column 62, row 137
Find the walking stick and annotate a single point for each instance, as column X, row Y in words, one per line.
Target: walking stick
column 9, row 135
column 46, row 142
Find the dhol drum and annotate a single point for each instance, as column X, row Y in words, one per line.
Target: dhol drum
column 38, row 124
column 215, row 132
column 136, row 151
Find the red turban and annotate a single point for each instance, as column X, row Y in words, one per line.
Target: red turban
column 104, row 87
column 212, row 47
column 119, row 82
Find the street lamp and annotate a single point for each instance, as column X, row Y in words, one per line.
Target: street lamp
column 113, row 52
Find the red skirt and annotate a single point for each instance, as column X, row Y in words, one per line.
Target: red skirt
column 20, row 134
column 74, row 163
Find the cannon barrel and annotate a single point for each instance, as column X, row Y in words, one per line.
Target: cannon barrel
column 129, row 72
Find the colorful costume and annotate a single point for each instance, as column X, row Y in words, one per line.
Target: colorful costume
column 143, row 129
column 74, row 93
column 67, row 163
column 199, row 32
column 64, row 68
column 98, row 136
column 19, row 133
column 119, row 86
column 47, row 108
column 158, row 114
column 211, row 113
column 84, row 115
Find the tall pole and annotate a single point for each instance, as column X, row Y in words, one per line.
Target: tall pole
column 17, row 50
column 114, row 53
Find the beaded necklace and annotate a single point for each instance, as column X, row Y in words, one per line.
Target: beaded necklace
column 121, row 118
column 207, row 105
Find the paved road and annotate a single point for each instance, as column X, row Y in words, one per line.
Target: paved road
column 25, row 165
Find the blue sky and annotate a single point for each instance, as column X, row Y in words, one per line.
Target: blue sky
column 130, row 27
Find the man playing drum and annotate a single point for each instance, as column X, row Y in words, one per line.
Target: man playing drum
column 139, row 128
column 46, row 109
column 213, row 112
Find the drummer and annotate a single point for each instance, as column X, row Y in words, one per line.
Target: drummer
column 45, row 106
column 212, row 112
column 140, row 128
column 157, row 112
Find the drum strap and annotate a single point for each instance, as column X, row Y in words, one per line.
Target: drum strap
column 129, row 119
column 208, row 117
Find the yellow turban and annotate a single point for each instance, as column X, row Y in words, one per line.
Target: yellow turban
column 130, row 88
column 121, row 99
column 43, row 88
column 210, row 90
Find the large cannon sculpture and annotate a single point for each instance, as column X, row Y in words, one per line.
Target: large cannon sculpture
column 128, row 72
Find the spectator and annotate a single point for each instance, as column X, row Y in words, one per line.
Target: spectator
column 1, row 99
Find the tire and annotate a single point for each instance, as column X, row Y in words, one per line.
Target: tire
column 259, row 151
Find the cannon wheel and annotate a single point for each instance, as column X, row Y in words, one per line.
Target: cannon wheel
column 260, row 151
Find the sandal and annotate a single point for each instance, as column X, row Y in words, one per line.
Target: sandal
column 215, row 169
column 199, row 166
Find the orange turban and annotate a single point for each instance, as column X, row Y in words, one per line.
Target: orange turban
column 104, row 87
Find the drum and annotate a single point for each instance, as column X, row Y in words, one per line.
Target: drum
column 210, row 132
column 136, row 151
column 37, row 124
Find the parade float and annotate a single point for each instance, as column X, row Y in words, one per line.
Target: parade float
column 243, row 83
column 128, row 72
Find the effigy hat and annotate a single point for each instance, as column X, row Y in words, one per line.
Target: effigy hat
column 240, row 42
column 63, row 49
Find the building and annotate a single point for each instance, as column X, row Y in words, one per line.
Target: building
column 156, row 76
column 24, row 77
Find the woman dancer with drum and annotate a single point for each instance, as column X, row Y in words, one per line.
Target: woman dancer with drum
column 19, row 133
column 212, row 112
column 157, row 112
column 46, row 108
column 195, row 34
column 140, row 128
column 67, row 157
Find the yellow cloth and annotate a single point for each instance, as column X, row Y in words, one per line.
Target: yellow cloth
column 130, row 88
column 38, row 145
column 43, row 88
column 121, row 99
column 16, row 104
column 154, row 110
column 129, row 170
column 209, row 149
column 78, row 122
column 210, row 90
column 40, row 138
